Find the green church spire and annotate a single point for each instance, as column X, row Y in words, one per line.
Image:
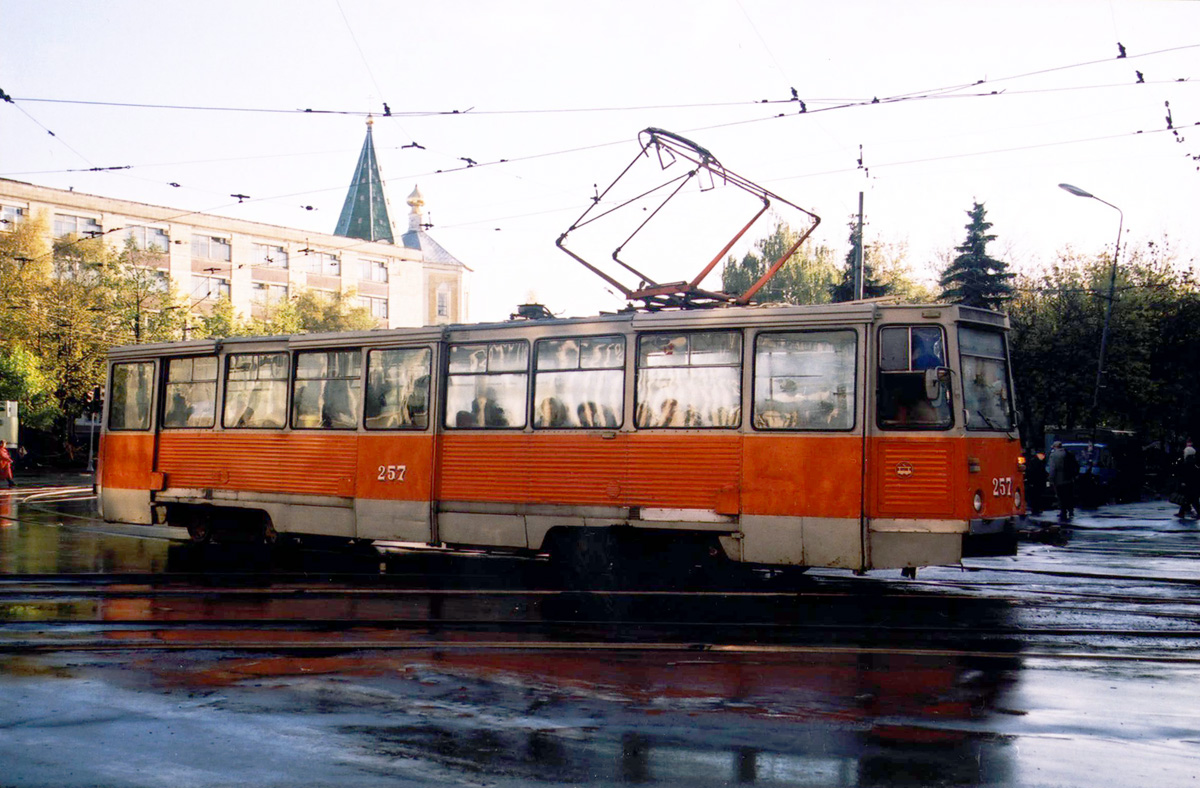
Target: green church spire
column 365, row 213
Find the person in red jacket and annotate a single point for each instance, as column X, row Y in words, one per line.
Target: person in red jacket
column 6, row 464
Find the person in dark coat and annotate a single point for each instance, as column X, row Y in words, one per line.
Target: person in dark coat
column 1062, row 469
column 1188, row 479
column 1035, row 480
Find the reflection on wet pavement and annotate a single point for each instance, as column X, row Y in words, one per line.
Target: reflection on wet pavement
column 220, row 666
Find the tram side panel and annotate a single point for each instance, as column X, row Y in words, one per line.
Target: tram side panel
column 802, row 500
column 511, row 489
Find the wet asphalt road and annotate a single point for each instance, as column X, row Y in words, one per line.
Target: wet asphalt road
column 1074, row 663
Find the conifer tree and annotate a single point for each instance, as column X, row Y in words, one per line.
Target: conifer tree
column 973, row 278
column 872, row 287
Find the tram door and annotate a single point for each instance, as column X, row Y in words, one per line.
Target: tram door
column 396, row 447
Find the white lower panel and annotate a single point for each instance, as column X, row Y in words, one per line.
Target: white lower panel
column 484, row 530
column 913, row 526
column 126, row 506
column 399, row 521
column 802, row 541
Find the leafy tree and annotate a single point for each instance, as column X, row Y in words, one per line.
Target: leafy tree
column 974, row 278
column 803, row 279
column 22, row 379
column 335, row 312
column 873, row 287
column 1152, row 366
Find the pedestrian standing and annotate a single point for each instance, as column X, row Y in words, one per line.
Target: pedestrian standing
column 1188, row 484
column 1035, row 480
column 6, row 464
column 1062, row 469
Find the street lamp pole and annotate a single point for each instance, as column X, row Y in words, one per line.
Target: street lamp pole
column 1112, row 286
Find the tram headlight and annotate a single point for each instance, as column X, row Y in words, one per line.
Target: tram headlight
column 977, row 502
column 1017, row 499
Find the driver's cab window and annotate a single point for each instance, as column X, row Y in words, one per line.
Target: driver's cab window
column 914, row 381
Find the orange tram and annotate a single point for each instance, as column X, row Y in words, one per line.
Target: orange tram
column 861, row 436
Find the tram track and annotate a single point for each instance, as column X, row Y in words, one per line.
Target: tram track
column 309, row 647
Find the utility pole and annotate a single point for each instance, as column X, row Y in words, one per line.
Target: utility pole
column 858, row 263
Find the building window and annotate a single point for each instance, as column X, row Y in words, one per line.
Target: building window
column 83, row 226
column 209, row 248
column 689, row 380
column 579, row 383
column 157, row 281
column 377, row 306
column 486, row 385
column 443, row 300
column 148, row 239
column 374, row 271
column 328, row 388
column 209, row 287
column 270, row 256
column 322, row 263
column 10, row 217
column 266, row 294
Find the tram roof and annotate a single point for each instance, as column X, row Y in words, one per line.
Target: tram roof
column 764, row 315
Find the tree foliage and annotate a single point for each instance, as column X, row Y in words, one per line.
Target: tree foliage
column 873, row 286
column 803, row 279
column 974, row 278
column 1152, row 365
column 68, row 302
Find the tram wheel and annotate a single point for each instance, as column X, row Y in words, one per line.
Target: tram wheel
column 200, row 532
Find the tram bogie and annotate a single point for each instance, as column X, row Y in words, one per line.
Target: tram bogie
column 859, row 436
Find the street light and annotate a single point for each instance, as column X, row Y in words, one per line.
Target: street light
column 1112, row 286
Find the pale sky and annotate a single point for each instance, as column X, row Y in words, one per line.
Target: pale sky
column 560, row 91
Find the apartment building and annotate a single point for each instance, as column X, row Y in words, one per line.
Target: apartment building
column 405, row 280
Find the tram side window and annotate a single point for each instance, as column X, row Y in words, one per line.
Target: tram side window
column 256, row 391
column 398, row 389
column 132, row 394
column 579, row 383
column 985, row 379
column 328, row 388
column 486, row 385
column 910, row 358
column 689, row 380
column 805, row 380
column 191, row 399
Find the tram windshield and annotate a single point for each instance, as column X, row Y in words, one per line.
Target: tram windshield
column 988, row 401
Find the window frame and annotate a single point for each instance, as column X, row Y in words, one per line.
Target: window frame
column 287, row 379
column 166, row 389
column 951, row 422
column 221, row 242
column 93, row 227
column 430, row 411
column 962, row 355
column 267, row 255
column 112, row 377
column 740, row 366
column 853, row 395
column 535, row 369
column 140, row 234
column 356, row 397
column 448, row 376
